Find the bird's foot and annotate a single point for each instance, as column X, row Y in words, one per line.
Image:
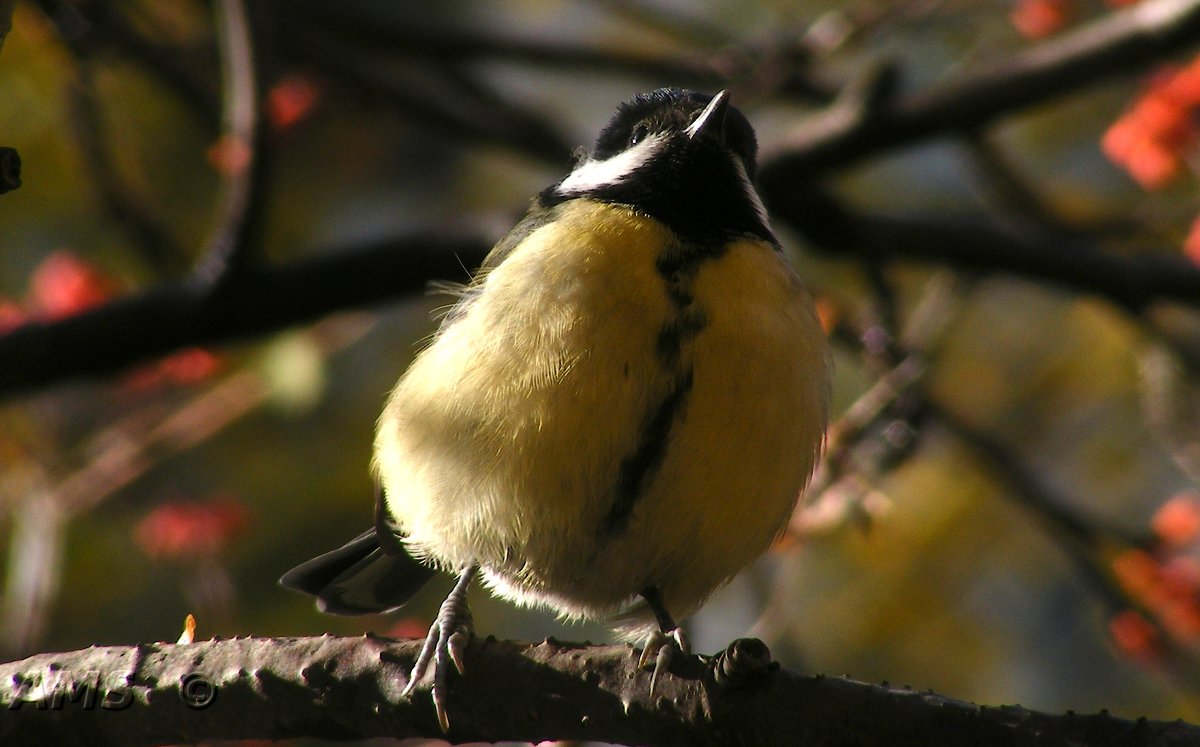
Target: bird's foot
column 662, row 648
column 445, row 644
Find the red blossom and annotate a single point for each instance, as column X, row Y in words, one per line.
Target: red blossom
column 187, row 367
column 1153, row 138
column 1135, row 637
column 1178, row 605
column 1191, row 245
column 230, row 155
column 291, row 100
column 1137, row 571
column 1177, row 522
column 190, row 366
column 1184, row 84
column 63, row 284
column 1164, row 580
column 11, row 315
column 408, row 627
column 1035, row 19
column 189, row 529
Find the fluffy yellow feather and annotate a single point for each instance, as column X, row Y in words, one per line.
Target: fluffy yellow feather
column 500, row 444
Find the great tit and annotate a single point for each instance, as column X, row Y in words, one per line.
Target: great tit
column 620, row 411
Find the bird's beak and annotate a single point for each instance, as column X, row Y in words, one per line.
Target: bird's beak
column 712, row 119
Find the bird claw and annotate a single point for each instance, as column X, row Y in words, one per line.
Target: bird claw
column 445, row 645
column 663, row 648
column 456, row 647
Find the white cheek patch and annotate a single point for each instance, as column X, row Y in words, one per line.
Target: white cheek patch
column 592, row 175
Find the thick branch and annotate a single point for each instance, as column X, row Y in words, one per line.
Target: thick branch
column 1114, row 45
column 150, row 324
column 349, row 688
column 156, row 322
column 1132, row 281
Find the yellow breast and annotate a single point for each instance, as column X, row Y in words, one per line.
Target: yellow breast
column 597, row 419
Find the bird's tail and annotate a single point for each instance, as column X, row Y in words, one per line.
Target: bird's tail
column 360, row 577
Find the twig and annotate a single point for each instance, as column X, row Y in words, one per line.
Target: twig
column 227, row 249
column 458, row 45
column 879, row 429
column 126, row 208
column 1171, row 405
column 88, row 29
column 1016, row 200
column 10, row 169
column 34, row 570
column 6, row 13
column 126, row 451
column 1086, row 540
column 685, row 28
column 426, row 103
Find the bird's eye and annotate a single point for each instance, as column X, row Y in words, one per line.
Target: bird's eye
column 639, row 134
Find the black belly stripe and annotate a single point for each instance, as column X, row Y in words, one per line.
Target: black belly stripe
column 677, row 265
column 647, row 456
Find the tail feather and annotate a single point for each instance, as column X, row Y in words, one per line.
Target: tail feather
column 359, row 577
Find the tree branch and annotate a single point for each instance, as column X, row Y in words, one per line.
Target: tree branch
column 349, row 688
column 6, row 13
column 163, row 319
column 382, row 32
column 1116, row 44
column 457, row 117
column 1132, row 281
column 127, row 208
column 241, row 194
column 92, row 27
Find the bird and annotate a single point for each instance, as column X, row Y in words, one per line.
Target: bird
column 619, row 412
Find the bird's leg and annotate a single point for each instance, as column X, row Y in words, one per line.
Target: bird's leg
column 445, row 643
column 664, row 644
